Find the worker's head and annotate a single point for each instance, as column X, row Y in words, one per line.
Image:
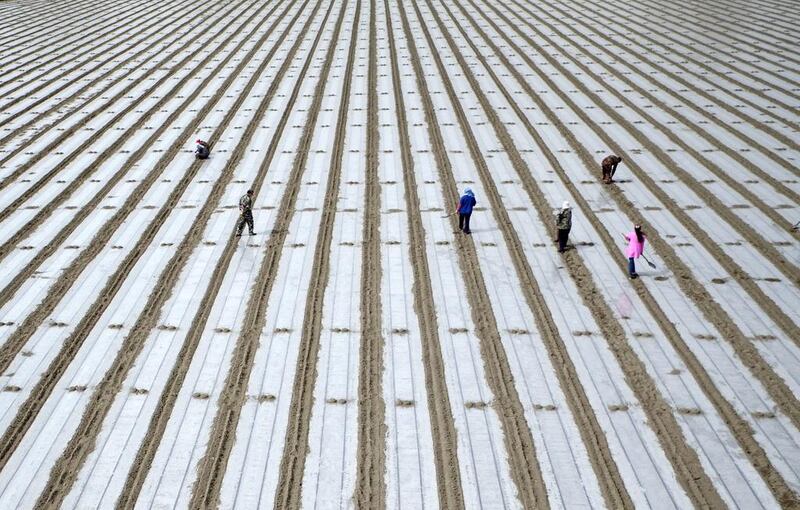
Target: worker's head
column 249, row 192
column 468, row 191
column 565, row 206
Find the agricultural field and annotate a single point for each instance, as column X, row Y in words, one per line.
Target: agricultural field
column 359, row 350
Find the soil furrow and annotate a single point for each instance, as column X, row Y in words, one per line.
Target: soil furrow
column 610, row 481
column 47, row 210
column 631, row 30
column 61, row 103
column 520, row 448
column 711, row 310
column 445, row 445
column 751, row 40
column 58, row 27
column 104, row 108
column 22, row 275
column 766, row 151
column 41, row 19
column 28, row 410
column 726, row 261
column 159, row 420
column 791, row 271
column 295, row 450
column 752, row 22
column 35, row 15
column 97, row 32
column 82, row 443
column 580, row 273
column 719, row 172
column 211, row 467
column 754, row 9
column 370, row 489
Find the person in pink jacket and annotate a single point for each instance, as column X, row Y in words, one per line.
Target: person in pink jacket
column 635, row 248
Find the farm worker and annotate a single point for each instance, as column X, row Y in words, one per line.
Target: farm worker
column 609, row 165
column 464, row 210
column 635, row 249
column 245, row 213
column 203, row 150
column 563, row 225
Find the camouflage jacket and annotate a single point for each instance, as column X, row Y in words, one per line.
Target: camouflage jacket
column 564, row 219
column 245, row 203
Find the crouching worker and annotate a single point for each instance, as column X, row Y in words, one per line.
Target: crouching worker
column 563, row 225
column 609, row 165
column 203, row 150
column 245, row 213
column 464, row 210
column 635, row 249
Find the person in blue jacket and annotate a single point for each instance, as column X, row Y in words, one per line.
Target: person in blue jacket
column 464, row 210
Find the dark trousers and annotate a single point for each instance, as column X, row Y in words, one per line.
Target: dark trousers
column 608, row 172
column 202, row 153
column 463, row 222
column 563, row 237
column 631, row 266
column 245, row 218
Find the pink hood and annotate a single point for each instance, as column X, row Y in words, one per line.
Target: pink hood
column 635, row 248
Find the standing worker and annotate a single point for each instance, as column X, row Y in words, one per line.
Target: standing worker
column 245, row 213
column 635, row 249
column 564, row 225
column 203, row 150
column 609, row 165
column 464, row 210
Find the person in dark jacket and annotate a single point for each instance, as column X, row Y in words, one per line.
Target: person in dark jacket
column 464, row 210
column 203, row 150
column 563, row 225
column 245, row 213
column 609, row 165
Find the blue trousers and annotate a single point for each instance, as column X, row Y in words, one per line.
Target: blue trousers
column 631, row 266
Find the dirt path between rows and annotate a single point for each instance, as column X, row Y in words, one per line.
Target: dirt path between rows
column 211, row 468
column 739, row 427
column 445, row 444
column 71, row 345
column 370, row 491
column 523, row 463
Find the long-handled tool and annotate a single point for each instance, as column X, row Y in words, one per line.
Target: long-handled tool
column 648, row 262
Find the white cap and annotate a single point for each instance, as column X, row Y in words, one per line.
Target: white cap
column 565, row 205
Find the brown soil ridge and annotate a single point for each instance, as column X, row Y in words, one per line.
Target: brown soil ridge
column 93, row 31
column 370, row 487
column 59, row 29
column 64, row 103
column 630, row 26
column 520, row 447
column 158, row 422
column 97, row 134
column 763, row 45
column 28, row 326
column 608, row 476
column 766, row 152
column 30, row 408
column 211, row 467
column 739, row 427
column 290, row 481
column 445, row 446
column 735, row 155
column 89, row 206
column 791, row 271
column 66, row 469
column 684, row 460
column 756, row 293
column 36, row 18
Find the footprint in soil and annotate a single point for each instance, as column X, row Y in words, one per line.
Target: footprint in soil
column 544, row 407
column 77, row 388
column 718, row 281
column 404, row 403
column 400, row 331
column 618, row 407
column 265, row 397
column 339, row 401
column 139, row 391
column 475, row 405
column 201, row 396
